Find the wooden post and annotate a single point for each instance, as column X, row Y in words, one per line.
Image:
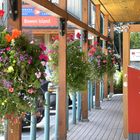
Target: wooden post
column 105, row 51
column 18, row 22
column 14, row 130
column 111, row 78
column 126, row 59
column 85, row 49
column 97, row 26
column 62, row 116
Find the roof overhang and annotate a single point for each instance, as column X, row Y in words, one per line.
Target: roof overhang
column 120, row 10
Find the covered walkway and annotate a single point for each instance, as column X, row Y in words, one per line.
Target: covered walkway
column 104, row 124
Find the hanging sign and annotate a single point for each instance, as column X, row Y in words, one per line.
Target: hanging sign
column 134, row 54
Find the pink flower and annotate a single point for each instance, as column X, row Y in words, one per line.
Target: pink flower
column 50, row 51
column 38, row 74
column 78, row 35
column 43, row 47
column 114, row 62
column 95, row 43
column 8, row 49
column 92, row 51
column 30, row 91
column 98, row 56
column 43, row 57
column 104, row 61
column 71, row 37
column 29, row 61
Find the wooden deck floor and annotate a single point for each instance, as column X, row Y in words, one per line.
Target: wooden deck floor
column 104, row 124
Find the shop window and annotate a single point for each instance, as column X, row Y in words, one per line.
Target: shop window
column 74, row 8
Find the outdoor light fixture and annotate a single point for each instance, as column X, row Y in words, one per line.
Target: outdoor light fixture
column 13, row 9
column 62, row 26
column 98, row 40
column 85, row 36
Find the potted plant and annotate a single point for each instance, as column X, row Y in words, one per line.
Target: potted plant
column 22, row 70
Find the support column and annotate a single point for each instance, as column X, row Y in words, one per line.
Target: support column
column 62, row 93
column 126, row 59
column 14, row 130
column 85, row 49
column 105, row 51
column 97, row 26
column 13, row 20
column 111, row 78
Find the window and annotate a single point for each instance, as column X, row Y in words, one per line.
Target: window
column 74, row 7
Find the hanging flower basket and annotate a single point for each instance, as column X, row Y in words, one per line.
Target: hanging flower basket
column 77, row 68
column 22, row 69
column 111, row 62
column 98, row 62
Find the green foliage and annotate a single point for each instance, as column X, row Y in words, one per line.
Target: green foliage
column 21, row 73
column 118, row 84
column 135, row 40
column 77, row 67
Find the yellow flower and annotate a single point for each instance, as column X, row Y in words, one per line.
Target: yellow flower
column 10, row 69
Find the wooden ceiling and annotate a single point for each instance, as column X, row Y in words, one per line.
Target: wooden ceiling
column 121, row 10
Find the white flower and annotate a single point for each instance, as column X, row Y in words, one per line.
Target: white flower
column 38, row 74
column 43, row 63
column 12, row 42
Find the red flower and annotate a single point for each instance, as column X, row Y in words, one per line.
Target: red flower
column 78, row 35
column 11, row 90
column 1, row 13
column 7, row 49
column 30, row 91
column 43, row 57
column 42, row 46
column 95, row 43
column 71, row 37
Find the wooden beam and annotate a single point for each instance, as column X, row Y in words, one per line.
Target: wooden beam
column 126, row 59
column 62, row 92
column 52, row 8
column 85, row 49
column 134, row 28
column 46, row 31
column 106, row 19
column 97, row 25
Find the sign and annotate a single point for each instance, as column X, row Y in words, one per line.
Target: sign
column 134, row 54
column 33, row 17
column 38, row 21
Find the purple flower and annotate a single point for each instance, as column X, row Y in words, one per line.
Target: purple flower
column 22, row 58
column 7, row 84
